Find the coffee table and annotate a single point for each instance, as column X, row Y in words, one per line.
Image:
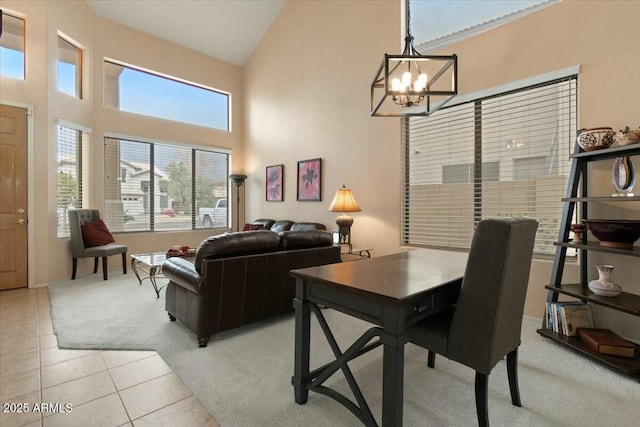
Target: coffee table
column 149, row 266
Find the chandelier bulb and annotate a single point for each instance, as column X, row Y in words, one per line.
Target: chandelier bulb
column 406, row 78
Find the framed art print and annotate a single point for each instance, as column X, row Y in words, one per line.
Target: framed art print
column 309, row 179
column 275, row 183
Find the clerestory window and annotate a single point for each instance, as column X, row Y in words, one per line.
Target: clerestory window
column 12, row 46
column 144, row 92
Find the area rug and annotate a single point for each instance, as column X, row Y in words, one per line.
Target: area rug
column 243, row 377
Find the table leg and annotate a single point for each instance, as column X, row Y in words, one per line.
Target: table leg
column 152, row 278
column 302, row 344
column 135, row 270
column 392, row 378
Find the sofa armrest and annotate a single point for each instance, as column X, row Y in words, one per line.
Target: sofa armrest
column 183, row 273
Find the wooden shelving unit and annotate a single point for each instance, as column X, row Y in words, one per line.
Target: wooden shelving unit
column 625, row 302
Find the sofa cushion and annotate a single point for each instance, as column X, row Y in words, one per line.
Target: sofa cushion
column 301, row 226
column 279, row 226
column 235, row 244
column 96, row 233
column 301, row 239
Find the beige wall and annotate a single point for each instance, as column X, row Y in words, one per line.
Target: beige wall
column 307, row 95
column 49, row 256
column 306, row 92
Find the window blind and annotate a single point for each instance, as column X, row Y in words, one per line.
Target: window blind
column 500, row 156
column 158, row 187
column 69, row 175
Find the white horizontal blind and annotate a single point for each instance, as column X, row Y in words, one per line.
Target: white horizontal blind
column 506, row 155
column 155, row 186
column 69, row 175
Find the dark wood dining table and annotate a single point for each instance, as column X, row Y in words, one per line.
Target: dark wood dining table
column 392, row 292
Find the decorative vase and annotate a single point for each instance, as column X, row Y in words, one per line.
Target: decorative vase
column 595, row 138
column 623, row 175
column 604, row 286
column 577, row 230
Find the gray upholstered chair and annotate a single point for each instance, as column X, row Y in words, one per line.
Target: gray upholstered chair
column 485, row 323
column 78, row 217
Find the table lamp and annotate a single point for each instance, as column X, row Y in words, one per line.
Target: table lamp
column 344, row 202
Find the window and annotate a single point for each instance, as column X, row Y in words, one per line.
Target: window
column 437, row 23
column 12, row 46
column 143, row 92
column 69, row 171
column 69, row 67
column 503, row 154
column 154, row 186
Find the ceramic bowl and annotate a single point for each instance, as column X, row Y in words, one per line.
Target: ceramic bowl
column 595, row 138
column 615, row 233
column 605, row 290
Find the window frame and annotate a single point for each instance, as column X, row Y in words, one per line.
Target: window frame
column 108, row 62
column 81, row 137
column 195, row 224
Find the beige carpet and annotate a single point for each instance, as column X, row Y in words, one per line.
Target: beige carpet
column 244, row 376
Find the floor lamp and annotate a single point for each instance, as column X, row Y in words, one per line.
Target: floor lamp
column 238, row 180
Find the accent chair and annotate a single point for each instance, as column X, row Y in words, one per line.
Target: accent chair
column 78, row 218
column 484, row 325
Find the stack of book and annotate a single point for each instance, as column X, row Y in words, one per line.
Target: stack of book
column 605, row 341
column 567, row 316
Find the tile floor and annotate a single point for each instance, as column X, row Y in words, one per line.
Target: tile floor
column 98, row 388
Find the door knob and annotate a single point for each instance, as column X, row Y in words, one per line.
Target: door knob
column 21, row 221
column 20, row 211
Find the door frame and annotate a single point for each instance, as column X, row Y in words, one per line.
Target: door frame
column 30, row 191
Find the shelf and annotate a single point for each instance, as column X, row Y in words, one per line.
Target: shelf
column 602, row 199
column 608, row 153
column 625, row 302
column 595, row 246
column 627, row 365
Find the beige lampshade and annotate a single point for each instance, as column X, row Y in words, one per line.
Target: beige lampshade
column 344, row 201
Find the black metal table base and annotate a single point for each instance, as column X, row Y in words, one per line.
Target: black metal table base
column 153, row 272
column 318, row 376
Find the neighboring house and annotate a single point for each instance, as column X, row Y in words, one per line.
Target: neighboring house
column 135, row 180
column 135, row 185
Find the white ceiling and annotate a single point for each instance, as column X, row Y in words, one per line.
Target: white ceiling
column 225, row 29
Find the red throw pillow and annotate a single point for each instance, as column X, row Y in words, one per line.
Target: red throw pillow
column 249, row 227
column 96, row 233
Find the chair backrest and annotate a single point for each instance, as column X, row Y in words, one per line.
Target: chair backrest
column 78, row 217
column 488, row 315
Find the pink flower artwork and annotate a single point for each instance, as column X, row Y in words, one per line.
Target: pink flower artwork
column 274, row 183
column 309, row 180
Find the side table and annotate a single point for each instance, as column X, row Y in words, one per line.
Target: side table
column 349, row 252
column 149, row 266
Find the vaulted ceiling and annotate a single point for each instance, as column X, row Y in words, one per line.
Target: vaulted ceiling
column 225, row 29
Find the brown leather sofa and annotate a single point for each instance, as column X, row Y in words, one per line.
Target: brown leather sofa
column 241, row 278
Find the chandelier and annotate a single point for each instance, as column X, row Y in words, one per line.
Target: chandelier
column 404, row 81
